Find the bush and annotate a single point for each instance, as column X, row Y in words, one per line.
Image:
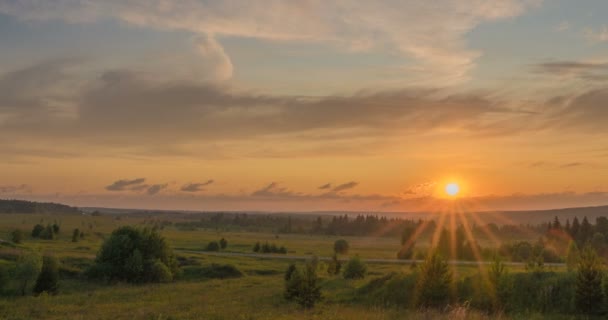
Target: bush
column 37, row 230
column 223, row 243
column 17, row 236
column 75, row 235
column 392, row 290
column 432, row 287
column 27, row 269
column 49, row 276
column 334, row 266
column 354, row 269
column 129, row 255
column 303, row 287
column 341, row 246
column 220, row 271
column 589, row 295
column 257, row 247
column 160, row 272
column 213, row 246
column 47, row 233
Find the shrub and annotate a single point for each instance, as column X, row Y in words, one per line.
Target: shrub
column 432, row 287
column 129, row 255
column 341, row 246
column 27, row 269
column 17, row 236
column 75, row 235
column 220, row 271
column 49, row 276
column 392, row 290
column 303, row 287
column 160, row 272
column 257, row 247
column 37, row 230
column 290, row 270
column 47, row 233
column 334, row 266
column 213, row 246
column 589, row 293
column 223, row 243
column 355, row 269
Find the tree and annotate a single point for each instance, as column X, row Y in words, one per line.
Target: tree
column 213, row 246
column 47, row 233
column 354, row 269
column 341, row 246
column 49, row 276
column 27, row 269
column 256, row 247
column 223, row 243
column 556, row 224
column 129, row 254
column 302, row 286
column 572, row 256
column 584, row 234
column 589, row 295
column 75, row 235
column 574, row 230
column 4, row 277
column 37, row 230
column 55, row 227
column 432, row 286
column 334, row 266
column 17, row 236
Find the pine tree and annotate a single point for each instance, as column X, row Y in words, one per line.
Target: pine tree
column 49, row 276
column 589, row 295
column 556, row 224
column 572, row 256
column 575, row 228
column 432, row 287
column 585, row 232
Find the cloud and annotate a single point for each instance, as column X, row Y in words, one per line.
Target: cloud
column 325, row 186
column 600, row 35
column 273, row 190
column 432, row 35
column 571, row 165
column 195, row 187
column 585, row 70
column 125, row 184
column 217, row 62
column 585, row 112
column 345, row 186
column 156, row 188
column 22, row 188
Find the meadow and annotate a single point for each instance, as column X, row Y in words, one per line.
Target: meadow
column 257, row 294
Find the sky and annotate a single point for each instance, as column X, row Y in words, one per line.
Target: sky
column 304, row 105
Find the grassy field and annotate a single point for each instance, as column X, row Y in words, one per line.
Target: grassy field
column 256, row 295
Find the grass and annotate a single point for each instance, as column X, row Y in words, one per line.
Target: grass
column 255, row 294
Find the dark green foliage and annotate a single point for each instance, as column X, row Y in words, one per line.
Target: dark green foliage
column 432, row 287
column 354, row 269
column 4, row 277
column 269, row 248
column 213, row 246
column 161, row 272
column 37, row 230
column 392, row 290
column 302, row 286
column 47, row 233
column 27, row 269
column 290, row 270
column 56, row 228
column 341, row 246
column 546, row 292
column 17, row 236
column 223, row 243
column 129, row 254
column 257, row 247
column 75, row 235
column 49, row 276
column 589, row 295
column 217, row 271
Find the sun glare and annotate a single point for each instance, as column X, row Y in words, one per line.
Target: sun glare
column 452, row 189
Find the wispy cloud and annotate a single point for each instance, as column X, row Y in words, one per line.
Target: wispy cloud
column 345, row 186
column 156, row 188
column 325, row 186
column 125, row 184
column 195, row 187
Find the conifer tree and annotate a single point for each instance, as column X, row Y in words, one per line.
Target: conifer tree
column 589, row 295
column 49, row 276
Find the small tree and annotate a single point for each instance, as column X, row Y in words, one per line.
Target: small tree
column 341, row 246
column 49, row 276
column 213, row 246
column 47, row 233
column 37, row 230
column 432, row 287
column 355, row 269
column 17, row 236
column 302, row 286
column 75, row 235
column 223, row 243
column 589, row 295
column 55, row 227
column 572, row 256
column 27, row 269
column 256, row 247
column 334, row 266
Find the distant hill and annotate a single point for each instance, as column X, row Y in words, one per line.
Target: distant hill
column 22, row 206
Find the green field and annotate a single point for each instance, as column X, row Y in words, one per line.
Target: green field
column 256, row 295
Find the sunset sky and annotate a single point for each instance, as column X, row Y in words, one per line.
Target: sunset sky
column 304, row 105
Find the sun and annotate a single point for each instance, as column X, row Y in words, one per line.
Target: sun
column 452, row 189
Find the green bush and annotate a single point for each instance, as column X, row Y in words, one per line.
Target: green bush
column 27, row 269
column 220, row 271
column 129, row 255
column 213, row 246
column 392, row 290
column 303, row 286
column 434, row 279
column 160, row 272
column 589, row 295
column 37, row 230
column 49, row 276
column 17, row 236
column 354, row 269
column 223, row 243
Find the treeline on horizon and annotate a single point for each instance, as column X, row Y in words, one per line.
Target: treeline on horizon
column 23, row 206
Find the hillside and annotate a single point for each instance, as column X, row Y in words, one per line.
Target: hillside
column 22, row 206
